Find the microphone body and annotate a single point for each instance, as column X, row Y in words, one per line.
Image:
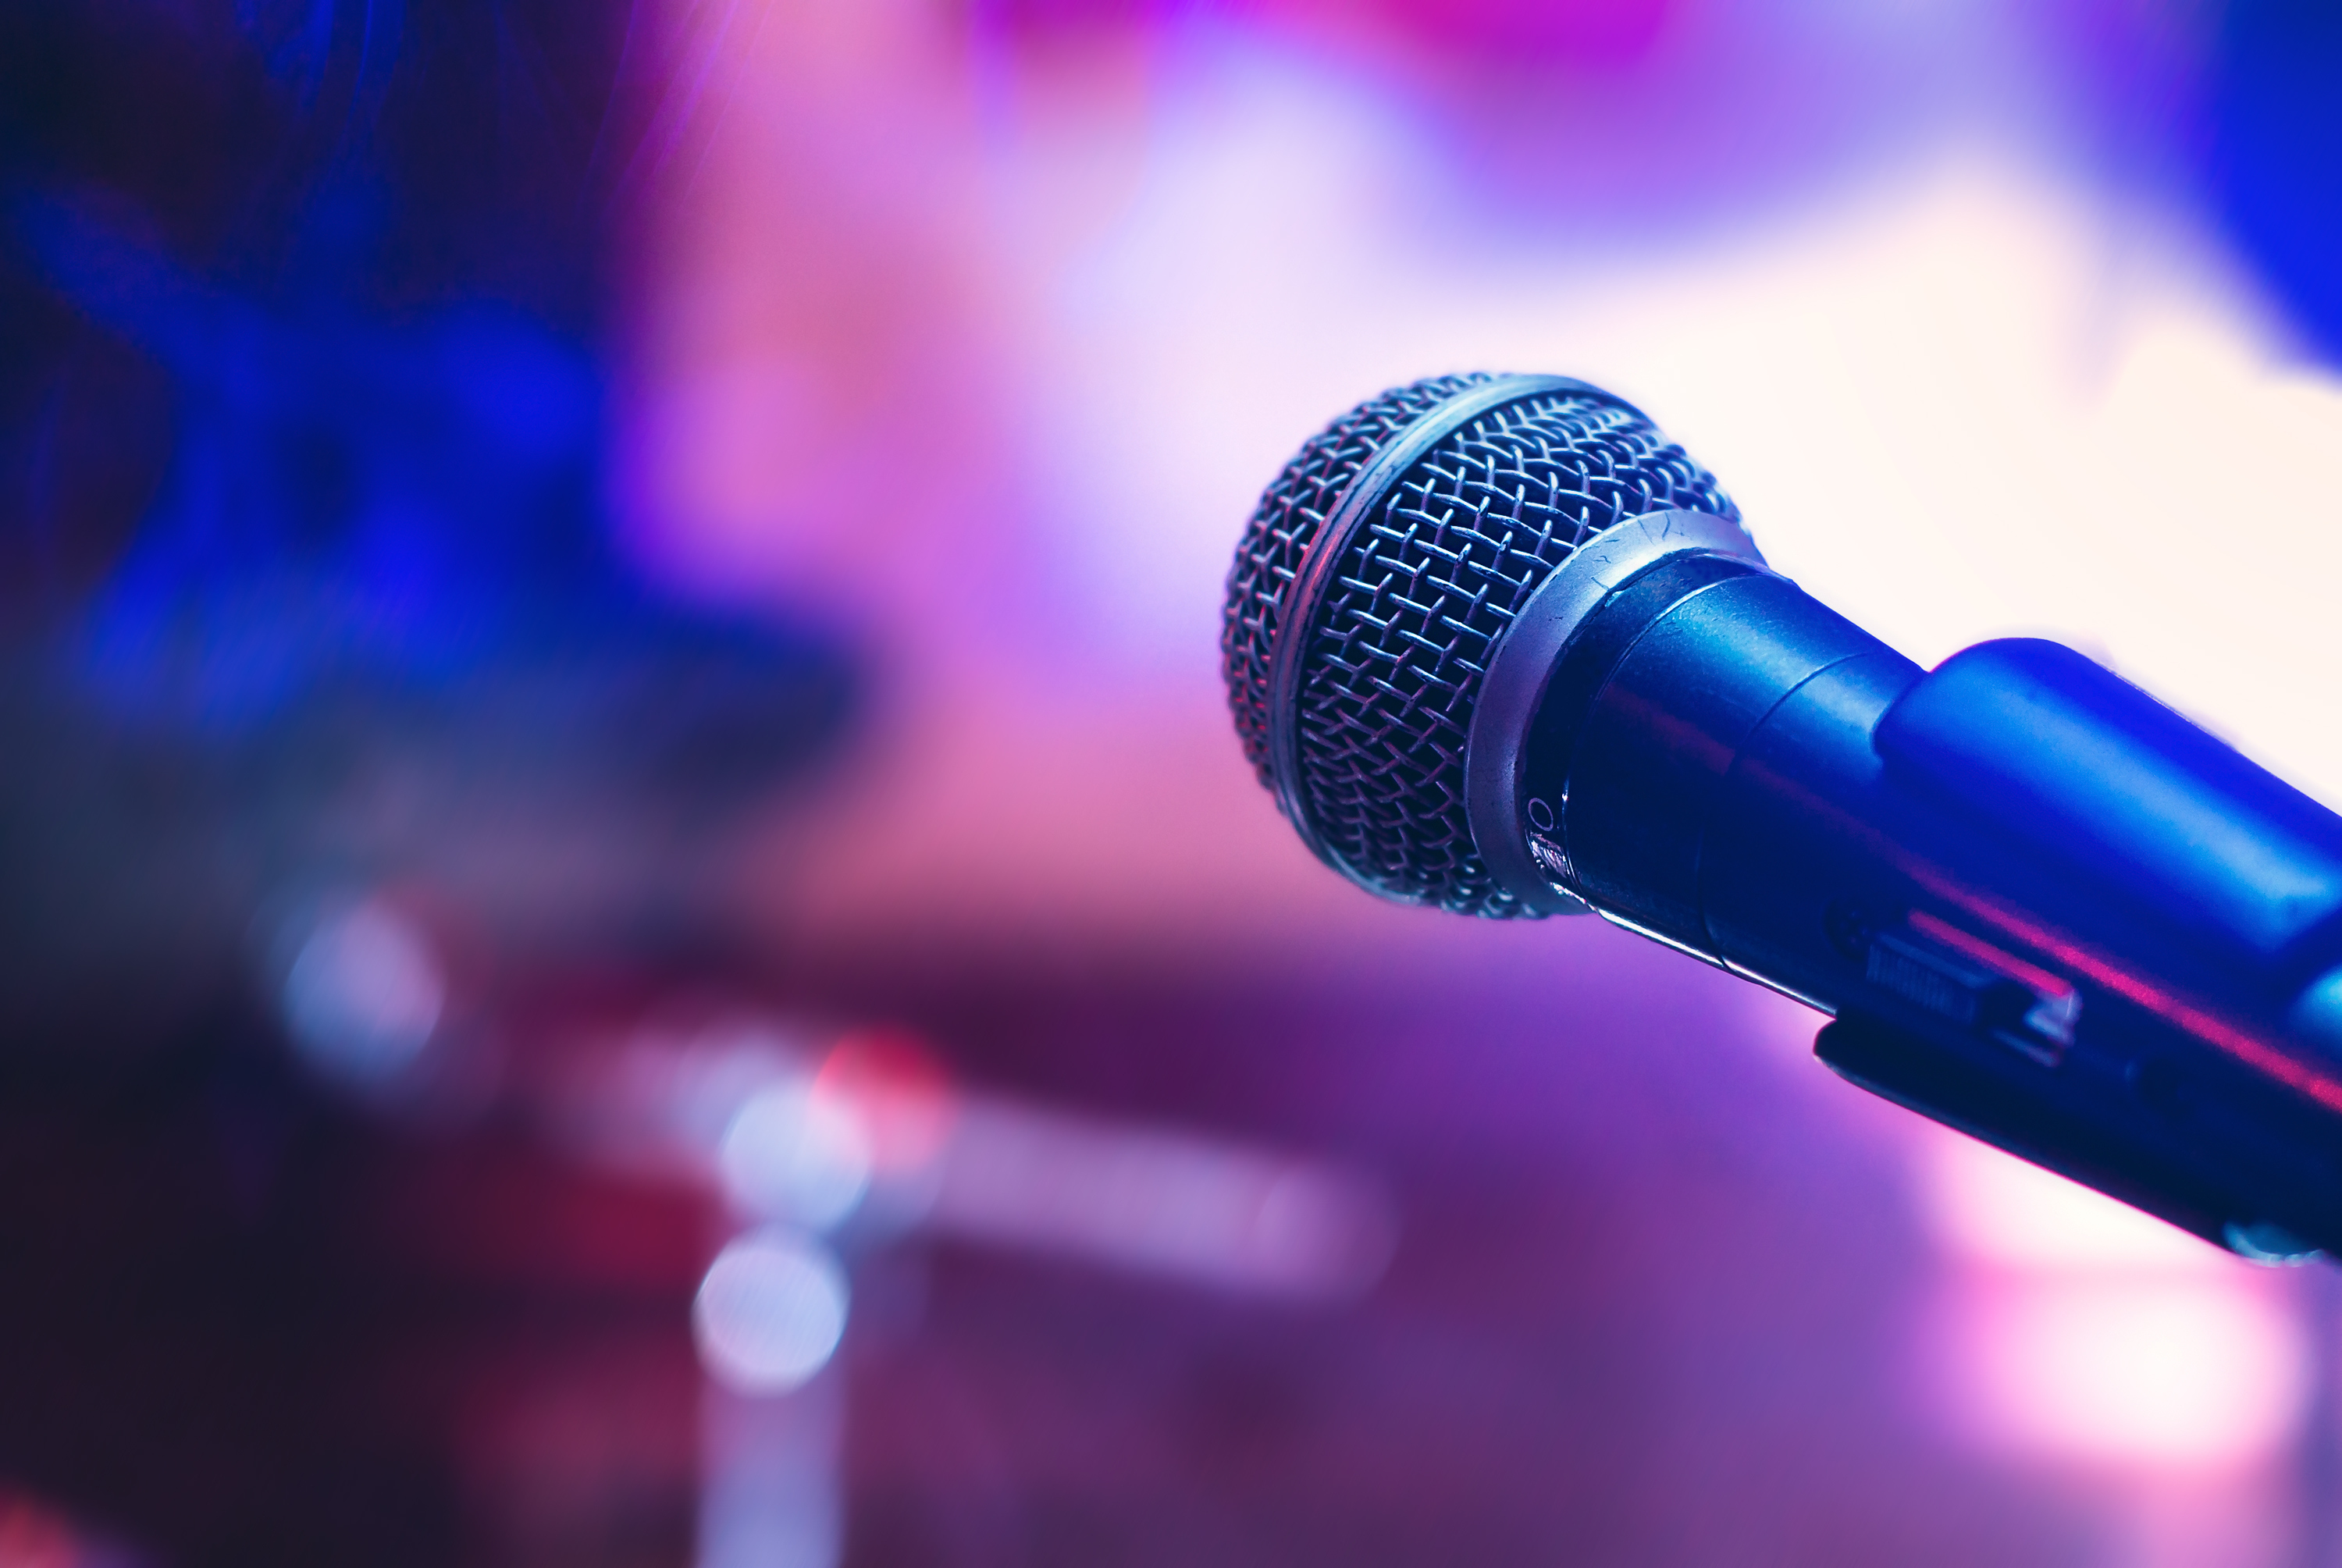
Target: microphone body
column 2039, row 906
column 2042, row 907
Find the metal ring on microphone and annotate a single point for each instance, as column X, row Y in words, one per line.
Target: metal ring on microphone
column 1525, row 658
column 1359, row 501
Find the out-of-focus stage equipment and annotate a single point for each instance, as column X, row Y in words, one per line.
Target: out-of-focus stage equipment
column 1498, row 646
column 819, row 1157
column 869, row 1138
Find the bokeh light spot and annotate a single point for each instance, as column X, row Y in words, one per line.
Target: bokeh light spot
column 364, row 994
column 792, row 1154
column 770, row 1313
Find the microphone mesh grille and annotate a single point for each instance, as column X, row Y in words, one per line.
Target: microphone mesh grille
column 1289, row 514
column 1401, row 637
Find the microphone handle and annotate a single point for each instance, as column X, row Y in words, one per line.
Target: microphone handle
column 2042, row 908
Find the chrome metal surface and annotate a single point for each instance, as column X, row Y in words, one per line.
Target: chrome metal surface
column 1524, row 656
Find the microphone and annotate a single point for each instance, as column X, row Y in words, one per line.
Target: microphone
column 1497, row 645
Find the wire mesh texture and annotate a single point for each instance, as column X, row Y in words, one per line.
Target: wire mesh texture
column 1402, row 635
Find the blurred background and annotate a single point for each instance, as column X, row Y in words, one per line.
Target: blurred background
column 632, row 932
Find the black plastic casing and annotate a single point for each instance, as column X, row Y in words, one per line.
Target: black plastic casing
column 2043, row 908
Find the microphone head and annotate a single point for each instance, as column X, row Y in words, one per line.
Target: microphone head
column 1372, row 587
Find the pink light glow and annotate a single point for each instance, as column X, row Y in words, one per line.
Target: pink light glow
column 1993, row 1208
column 2082, row 1330
column 33, row 1534
column 2165, row 1375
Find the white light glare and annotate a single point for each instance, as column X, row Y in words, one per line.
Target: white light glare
column 792, row 1154
column 770, row 1313
column 1994, row 1208
column 2086, row 1330
column 2168, row 1374
column 364, row 994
